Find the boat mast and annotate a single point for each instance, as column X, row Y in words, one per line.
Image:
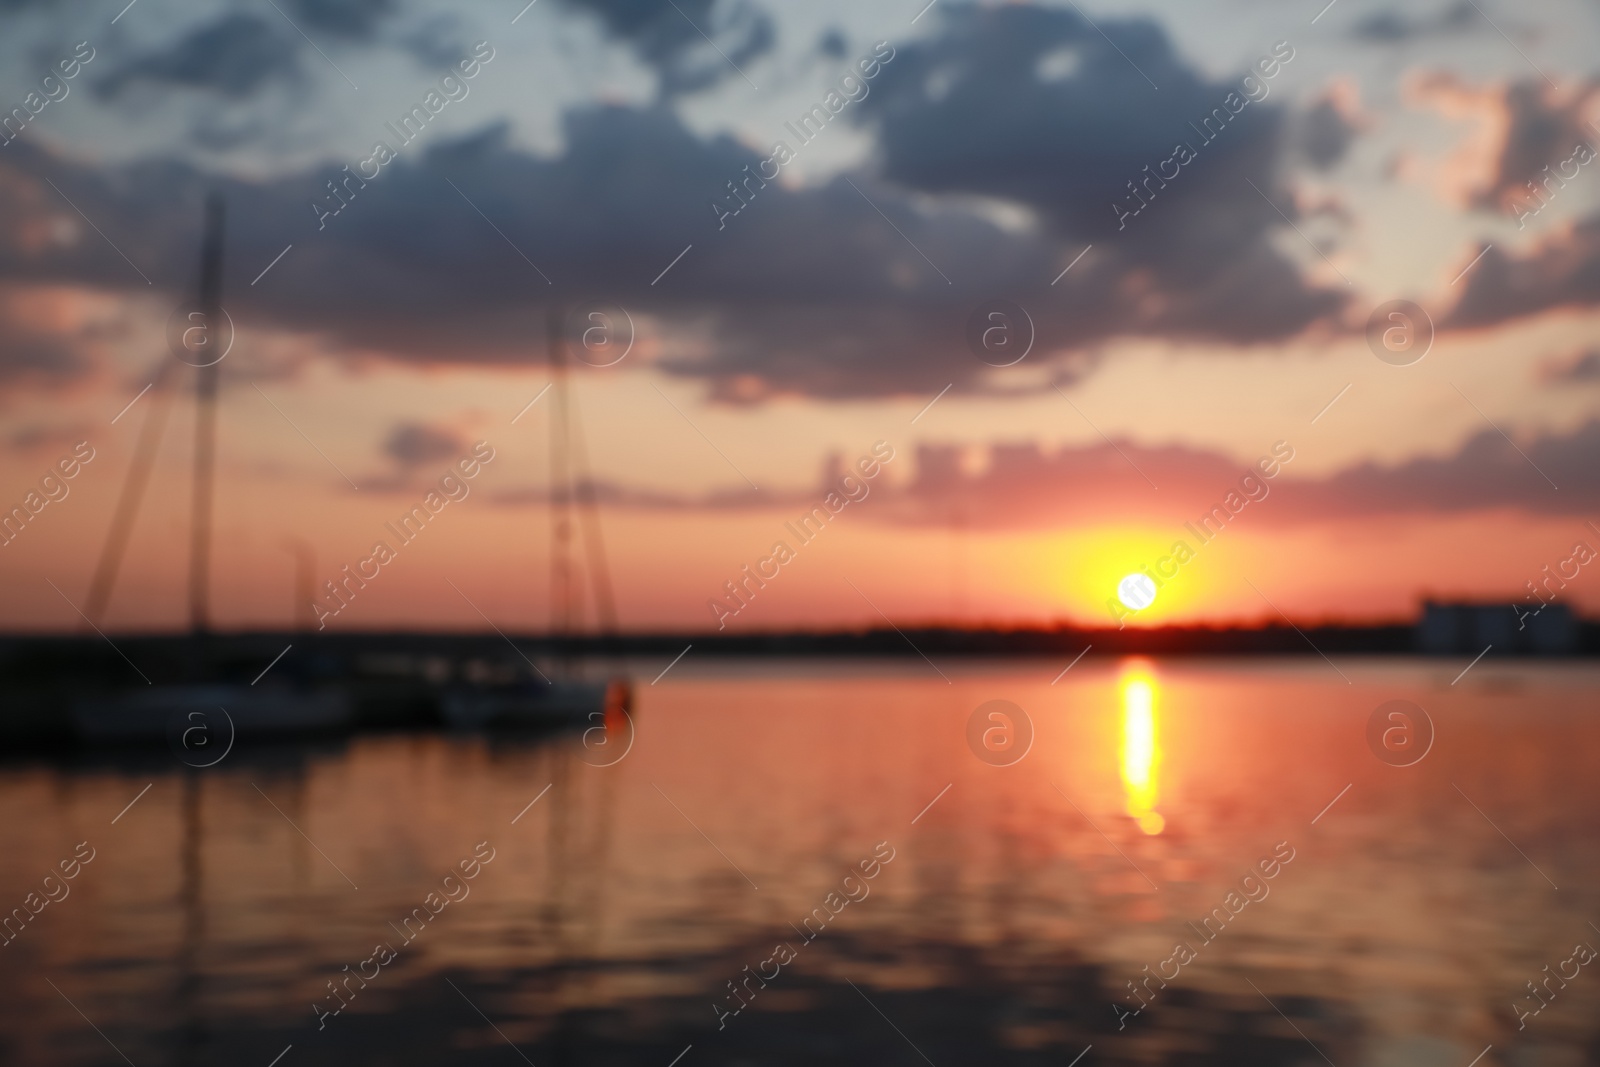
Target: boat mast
column 563, row 588
column 305, row 593
column 144, row 456
column 571, row 478
column 594, row 548
column 205, row 423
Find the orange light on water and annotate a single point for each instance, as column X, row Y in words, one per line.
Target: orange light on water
column 1141, row 748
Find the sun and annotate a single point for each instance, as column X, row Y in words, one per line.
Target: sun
column 1137, row 591
column 1108, row 575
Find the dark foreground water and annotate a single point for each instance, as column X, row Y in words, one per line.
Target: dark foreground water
column 1359, row 912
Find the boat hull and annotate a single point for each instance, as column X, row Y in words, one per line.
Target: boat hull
column 536, row 706
column 166, row 712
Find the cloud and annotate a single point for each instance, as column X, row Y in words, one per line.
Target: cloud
column 238, row 53
column 32, row 355
column 810, row 291
column 412, row 444
column 348, row 18
column 970, row 111
column 233, row 56
column 1019, row 485
column 44, row 338
column 667, row 36
column 42, row 437
column 1387, row 27
column 1487, row 472
column 1580, row 368
column 1530, row 142
column 1520, row 130
column 439, row 41
column 1330, row 124
column 1561, row 271
column 860, row 286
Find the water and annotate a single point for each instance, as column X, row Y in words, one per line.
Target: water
column 1018, row 905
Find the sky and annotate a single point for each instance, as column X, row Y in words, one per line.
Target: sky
column 776, row 238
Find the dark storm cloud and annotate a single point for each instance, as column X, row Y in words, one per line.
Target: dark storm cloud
column 1387, row 27
column 233, row 56
column 982, row 108
column 666, row 34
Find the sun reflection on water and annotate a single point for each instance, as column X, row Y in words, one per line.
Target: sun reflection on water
column 1141, row 747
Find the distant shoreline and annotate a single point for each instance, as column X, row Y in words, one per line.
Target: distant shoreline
column 73, row 652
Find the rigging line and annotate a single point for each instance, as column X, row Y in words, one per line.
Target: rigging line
column 132, row 495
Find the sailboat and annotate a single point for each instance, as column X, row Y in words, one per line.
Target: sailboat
column 539, row 700
column 283, row 704
column 289, row 700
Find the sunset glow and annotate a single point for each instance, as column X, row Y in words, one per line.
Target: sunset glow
column 737, row 461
